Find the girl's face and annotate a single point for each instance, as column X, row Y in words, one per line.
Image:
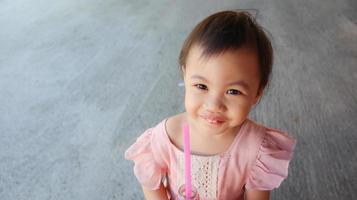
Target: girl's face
column 220, row 90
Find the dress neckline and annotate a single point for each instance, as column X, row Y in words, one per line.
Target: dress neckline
column 235, row 141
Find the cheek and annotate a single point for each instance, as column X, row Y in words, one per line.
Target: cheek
column 192, row 101
column 239, row 108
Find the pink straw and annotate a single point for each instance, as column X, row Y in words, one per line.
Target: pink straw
column 186, row 144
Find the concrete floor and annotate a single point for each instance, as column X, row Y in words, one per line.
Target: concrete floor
column 80, row 80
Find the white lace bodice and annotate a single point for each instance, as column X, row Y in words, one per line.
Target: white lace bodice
column 204, row 174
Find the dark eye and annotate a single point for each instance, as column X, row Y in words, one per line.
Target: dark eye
column 201, row 86
column 234, row 92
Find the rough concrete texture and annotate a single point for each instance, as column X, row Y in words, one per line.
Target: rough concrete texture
column 80, row 80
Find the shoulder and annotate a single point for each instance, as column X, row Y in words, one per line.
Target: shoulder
column 256, row 140
column 256, row 130
column 174, row 128
column 278, row 138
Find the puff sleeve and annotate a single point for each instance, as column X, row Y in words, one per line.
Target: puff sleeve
column 148, row 167
column 272, row 162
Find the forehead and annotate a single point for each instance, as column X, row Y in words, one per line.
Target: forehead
column 231, row 64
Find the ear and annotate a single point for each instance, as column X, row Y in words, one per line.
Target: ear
column 258, row 97
column 183, row 72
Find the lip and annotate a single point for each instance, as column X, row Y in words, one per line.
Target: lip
column 213, row 120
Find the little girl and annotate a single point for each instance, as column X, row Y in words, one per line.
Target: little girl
column 226, row 63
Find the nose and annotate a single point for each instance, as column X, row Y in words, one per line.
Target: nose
column 214, row 104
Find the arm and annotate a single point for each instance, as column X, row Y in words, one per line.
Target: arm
column 159, row 194
column 257, row 195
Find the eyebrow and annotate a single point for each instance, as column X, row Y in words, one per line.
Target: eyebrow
column 241, row 83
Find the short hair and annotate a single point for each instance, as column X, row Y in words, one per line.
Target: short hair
column 231, row 30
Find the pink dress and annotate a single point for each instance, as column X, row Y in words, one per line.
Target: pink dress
column 257, row 159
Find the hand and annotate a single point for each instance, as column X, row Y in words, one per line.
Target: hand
column 160, row 194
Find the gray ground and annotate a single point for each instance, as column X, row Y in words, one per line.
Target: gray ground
column 80, row 80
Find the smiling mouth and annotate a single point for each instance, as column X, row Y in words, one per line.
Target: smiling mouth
column 213, row 121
